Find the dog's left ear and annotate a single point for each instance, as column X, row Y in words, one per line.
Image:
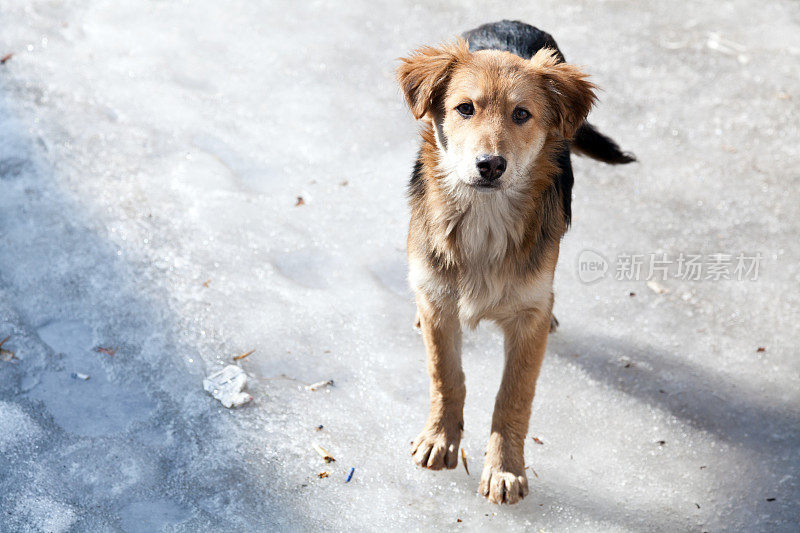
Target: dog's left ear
column 423, row 75
column 571, row 95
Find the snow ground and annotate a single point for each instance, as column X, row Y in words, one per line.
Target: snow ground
column 148, row 147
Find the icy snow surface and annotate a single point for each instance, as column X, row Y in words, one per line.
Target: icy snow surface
column 151, row 156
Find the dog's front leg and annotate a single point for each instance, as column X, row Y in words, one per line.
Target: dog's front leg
column 437, row 446
column 503, row 479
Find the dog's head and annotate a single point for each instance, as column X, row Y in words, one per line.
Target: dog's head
column 491, row 111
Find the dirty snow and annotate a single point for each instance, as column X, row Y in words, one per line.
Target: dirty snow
column 151, row 156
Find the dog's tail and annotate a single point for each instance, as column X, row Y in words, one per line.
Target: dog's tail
column 590, row 142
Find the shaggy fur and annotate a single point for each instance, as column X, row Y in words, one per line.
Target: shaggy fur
column 486, row 248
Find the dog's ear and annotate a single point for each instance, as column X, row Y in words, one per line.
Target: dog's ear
column 423, row 75
column 570, row 94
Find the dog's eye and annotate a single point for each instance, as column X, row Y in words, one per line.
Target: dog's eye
column 466, row 110
column 520, row 115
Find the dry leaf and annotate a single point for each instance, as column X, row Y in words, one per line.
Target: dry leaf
column 656, row 287
column 7, row 356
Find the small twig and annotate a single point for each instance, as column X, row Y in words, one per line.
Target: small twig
column 280, row 377
column 2, row 342
column 323, row 453
column 319, row 385
column 312, row 387
column 238, row 357
column 108, row 351
column 5, row 58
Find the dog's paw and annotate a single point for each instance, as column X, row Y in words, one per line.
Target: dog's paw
column 436, row 448
column 501, row 486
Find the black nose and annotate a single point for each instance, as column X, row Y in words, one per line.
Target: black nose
column 491, row 167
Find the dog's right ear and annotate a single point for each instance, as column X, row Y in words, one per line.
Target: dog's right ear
column 423, row 75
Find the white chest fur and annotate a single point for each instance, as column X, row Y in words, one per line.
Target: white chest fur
column 489, row 229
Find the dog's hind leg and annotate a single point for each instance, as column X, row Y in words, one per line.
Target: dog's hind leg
column 503, row 479
column 436, row 447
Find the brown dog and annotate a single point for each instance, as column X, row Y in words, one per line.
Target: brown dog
column 489, row 204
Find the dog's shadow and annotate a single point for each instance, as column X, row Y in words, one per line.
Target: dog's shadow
column 765, row 430
column 733, row 411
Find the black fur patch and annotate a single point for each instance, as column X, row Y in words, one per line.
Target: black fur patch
column 513, row 36
column 589, row 141
column 416, row 187
column 564, row 182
